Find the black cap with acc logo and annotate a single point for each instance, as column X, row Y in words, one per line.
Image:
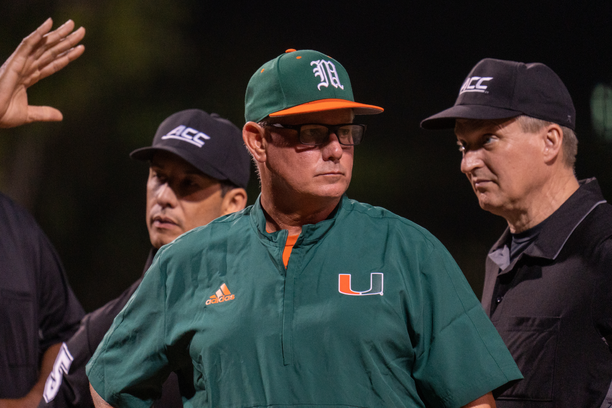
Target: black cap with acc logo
column 497, row 89
column 210, row 143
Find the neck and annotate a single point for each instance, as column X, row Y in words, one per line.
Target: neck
column 543, row 203
column 285, row 214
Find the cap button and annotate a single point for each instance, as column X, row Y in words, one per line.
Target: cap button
column 290, row 50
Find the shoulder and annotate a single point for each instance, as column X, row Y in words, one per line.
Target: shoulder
column 183, row 249
column 596, row 227
column 15, row 216
column 227, row 224
column 381, row 220
column 591, row 240
column 599, row 226
column 603, row 213
column 95, row 324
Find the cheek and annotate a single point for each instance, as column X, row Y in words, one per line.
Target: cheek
column 285, row 164
column 149, row 207
column 347, row 159
column 151, row 191
column 347, row 162
column 198, row 214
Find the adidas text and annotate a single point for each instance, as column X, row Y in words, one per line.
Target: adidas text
column 221, row 295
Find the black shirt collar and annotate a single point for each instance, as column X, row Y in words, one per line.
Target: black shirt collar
column 560, row 225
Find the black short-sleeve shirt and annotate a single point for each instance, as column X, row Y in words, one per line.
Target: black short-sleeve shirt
column 552, row 306
column 37, row 306
column 68, row 385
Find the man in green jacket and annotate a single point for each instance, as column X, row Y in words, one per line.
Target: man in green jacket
column 306, row 298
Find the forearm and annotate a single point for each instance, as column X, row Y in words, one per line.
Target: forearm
column 97, row 399
column 33, row 397
column 486, row 401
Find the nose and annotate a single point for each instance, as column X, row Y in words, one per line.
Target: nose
column 332, row 150
column 471, row 160
column 165, row 196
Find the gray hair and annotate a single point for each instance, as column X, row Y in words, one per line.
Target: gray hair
column 570, row 141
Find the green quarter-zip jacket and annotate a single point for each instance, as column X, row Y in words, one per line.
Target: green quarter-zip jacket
column 371, row 311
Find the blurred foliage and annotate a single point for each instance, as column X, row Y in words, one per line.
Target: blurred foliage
column 145, row 60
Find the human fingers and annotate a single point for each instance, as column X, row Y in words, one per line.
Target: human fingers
column 34, row 38
column 33, row 52
column 55, row 58
column 29, row 43
column 43, row 114
column 52, row 38
column 56, row 64
column 60, row 48
column 68, row 42
column 32, row 114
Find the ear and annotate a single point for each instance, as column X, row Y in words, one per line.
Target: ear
column 254, row 138
column 553, row 140
column 234, row 200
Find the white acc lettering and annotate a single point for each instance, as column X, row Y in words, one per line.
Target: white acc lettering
column 475, row 84
column 187, row 134
column 62, row 364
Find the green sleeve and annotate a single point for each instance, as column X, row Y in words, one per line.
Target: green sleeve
column 462, row 357
column 130, row 364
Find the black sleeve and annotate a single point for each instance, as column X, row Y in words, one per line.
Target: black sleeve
column 59, row 310
column 67, row 385
column 602, row 303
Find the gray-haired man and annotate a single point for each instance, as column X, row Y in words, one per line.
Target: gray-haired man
column 548, row 283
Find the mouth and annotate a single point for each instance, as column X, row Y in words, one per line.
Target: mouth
column 161, row 221
column 331, row 173
column 480, row 183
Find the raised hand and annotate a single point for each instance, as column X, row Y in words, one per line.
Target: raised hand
column 39, row 55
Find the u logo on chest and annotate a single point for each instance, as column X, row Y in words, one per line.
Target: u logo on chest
column 376, row 285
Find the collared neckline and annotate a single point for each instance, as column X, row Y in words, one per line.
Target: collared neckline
column 311, row 233
column 559, row 226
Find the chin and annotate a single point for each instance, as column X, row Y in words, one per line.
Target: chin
column 333, row 191
column 160, row 240
column 484, row 204
column 493, row 209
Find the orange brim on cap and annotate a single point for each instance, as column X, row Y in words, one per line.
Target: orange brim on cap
column 329, row 104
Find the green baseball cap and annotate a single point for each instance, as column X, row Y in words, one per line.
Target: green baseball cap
column 300, row 82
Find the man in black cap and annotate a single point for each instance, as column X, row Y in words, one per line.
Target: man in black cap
column 199, row 169
column 548, row 282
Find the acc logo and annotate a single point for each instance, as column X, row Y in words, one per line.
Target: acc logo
column 221, row 295
column 187, row 134
column 62, row 364
column 326, row 71
column 376, row 285
column 475, row 84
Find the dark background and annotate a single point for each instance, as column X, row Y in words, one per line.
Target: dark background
column 147, row 59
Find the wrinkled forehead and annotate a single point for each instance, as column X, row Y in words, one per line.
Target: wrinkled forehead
column 466, row 126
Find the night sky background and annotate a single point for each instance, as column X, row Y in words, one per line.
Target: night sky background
column 145, row 60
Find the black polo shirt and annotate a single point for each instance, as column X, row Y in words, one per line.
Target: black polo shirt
column 37, row 306
column 552, row 305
